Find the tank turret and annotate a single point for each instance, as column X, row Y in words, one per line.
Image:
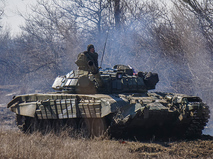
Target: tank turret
column 119, row 79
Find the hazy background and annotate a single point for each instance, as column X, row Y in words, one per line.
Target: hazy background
column 12, row 8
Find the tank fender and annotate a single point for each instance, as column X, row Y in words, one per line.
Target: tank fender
column 113, row 104
column 15, row 101
column 25, row 109
column 133, row 110
column 130, row 112
column 108, row 106
column 123, row 109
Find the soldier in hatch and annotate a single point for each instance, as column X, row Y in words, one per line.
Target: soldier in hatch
column 88, row 60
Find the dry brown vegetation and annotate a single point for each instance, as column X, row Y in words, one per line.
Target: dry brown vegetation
column 14, row 144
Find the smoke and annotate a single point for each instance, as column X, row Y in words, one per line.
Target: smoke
column 178, row 54
column 187, row 70
column 199, row 65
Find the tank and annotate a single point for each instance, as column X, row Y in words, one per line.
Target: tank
column 114, row 101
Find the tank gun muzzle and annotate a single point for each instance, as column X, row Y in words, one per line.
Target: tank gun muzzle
column 92, row 67
column 95, row 72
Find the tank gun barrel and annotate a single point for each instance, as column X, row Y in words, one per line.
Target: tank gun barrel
column 92, row 67
column 95, row 73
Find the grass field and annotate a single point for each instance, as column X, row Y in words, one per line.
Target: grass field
column 17, row 145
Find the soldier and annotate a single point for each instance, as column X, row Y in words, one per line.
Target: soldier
column 88, row 60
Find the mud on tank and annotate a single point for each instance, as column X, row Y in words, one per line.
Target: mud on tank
column 114, row 101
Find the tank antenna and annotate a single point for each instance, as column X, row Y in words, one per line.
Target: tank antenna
column 104, row 47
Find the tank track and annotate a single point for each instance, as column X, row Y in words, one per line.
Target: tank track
column 197, row 123
column 86, row 127
column 28, row 124
column 21, row 122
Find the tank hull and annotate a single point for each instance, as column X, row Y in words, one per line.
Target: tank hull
column 127, row 114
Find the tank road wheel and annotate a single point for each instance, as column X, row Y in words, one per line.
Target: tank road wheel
column 26, row 124
column 98, row 127
column 45, row 126
column 71, row 126
column 57, row 126
column 198, row 123
column 85, row 127
column 21, row 122
column 33, row 125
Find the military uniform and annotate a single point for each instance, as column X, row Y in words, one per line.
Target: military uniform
column 85, row 57
column 88, row 61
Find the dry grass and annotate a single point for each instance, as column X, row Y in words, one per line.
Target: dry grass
column 17, row 145
column 14, row 144
column 7, row 118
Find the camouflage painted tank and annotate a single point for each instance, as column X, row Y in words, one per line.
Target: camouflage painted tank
column 115, row 101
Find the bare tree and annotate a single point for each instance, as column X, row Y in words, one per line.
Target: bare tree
column 6, row 63
column 91, row 15
column 203, row 11
column 195, row 36
column 2, row 4
column 52, row 34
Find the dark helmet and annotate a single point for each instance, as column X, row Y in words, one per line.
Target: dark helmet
column 89, row 47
